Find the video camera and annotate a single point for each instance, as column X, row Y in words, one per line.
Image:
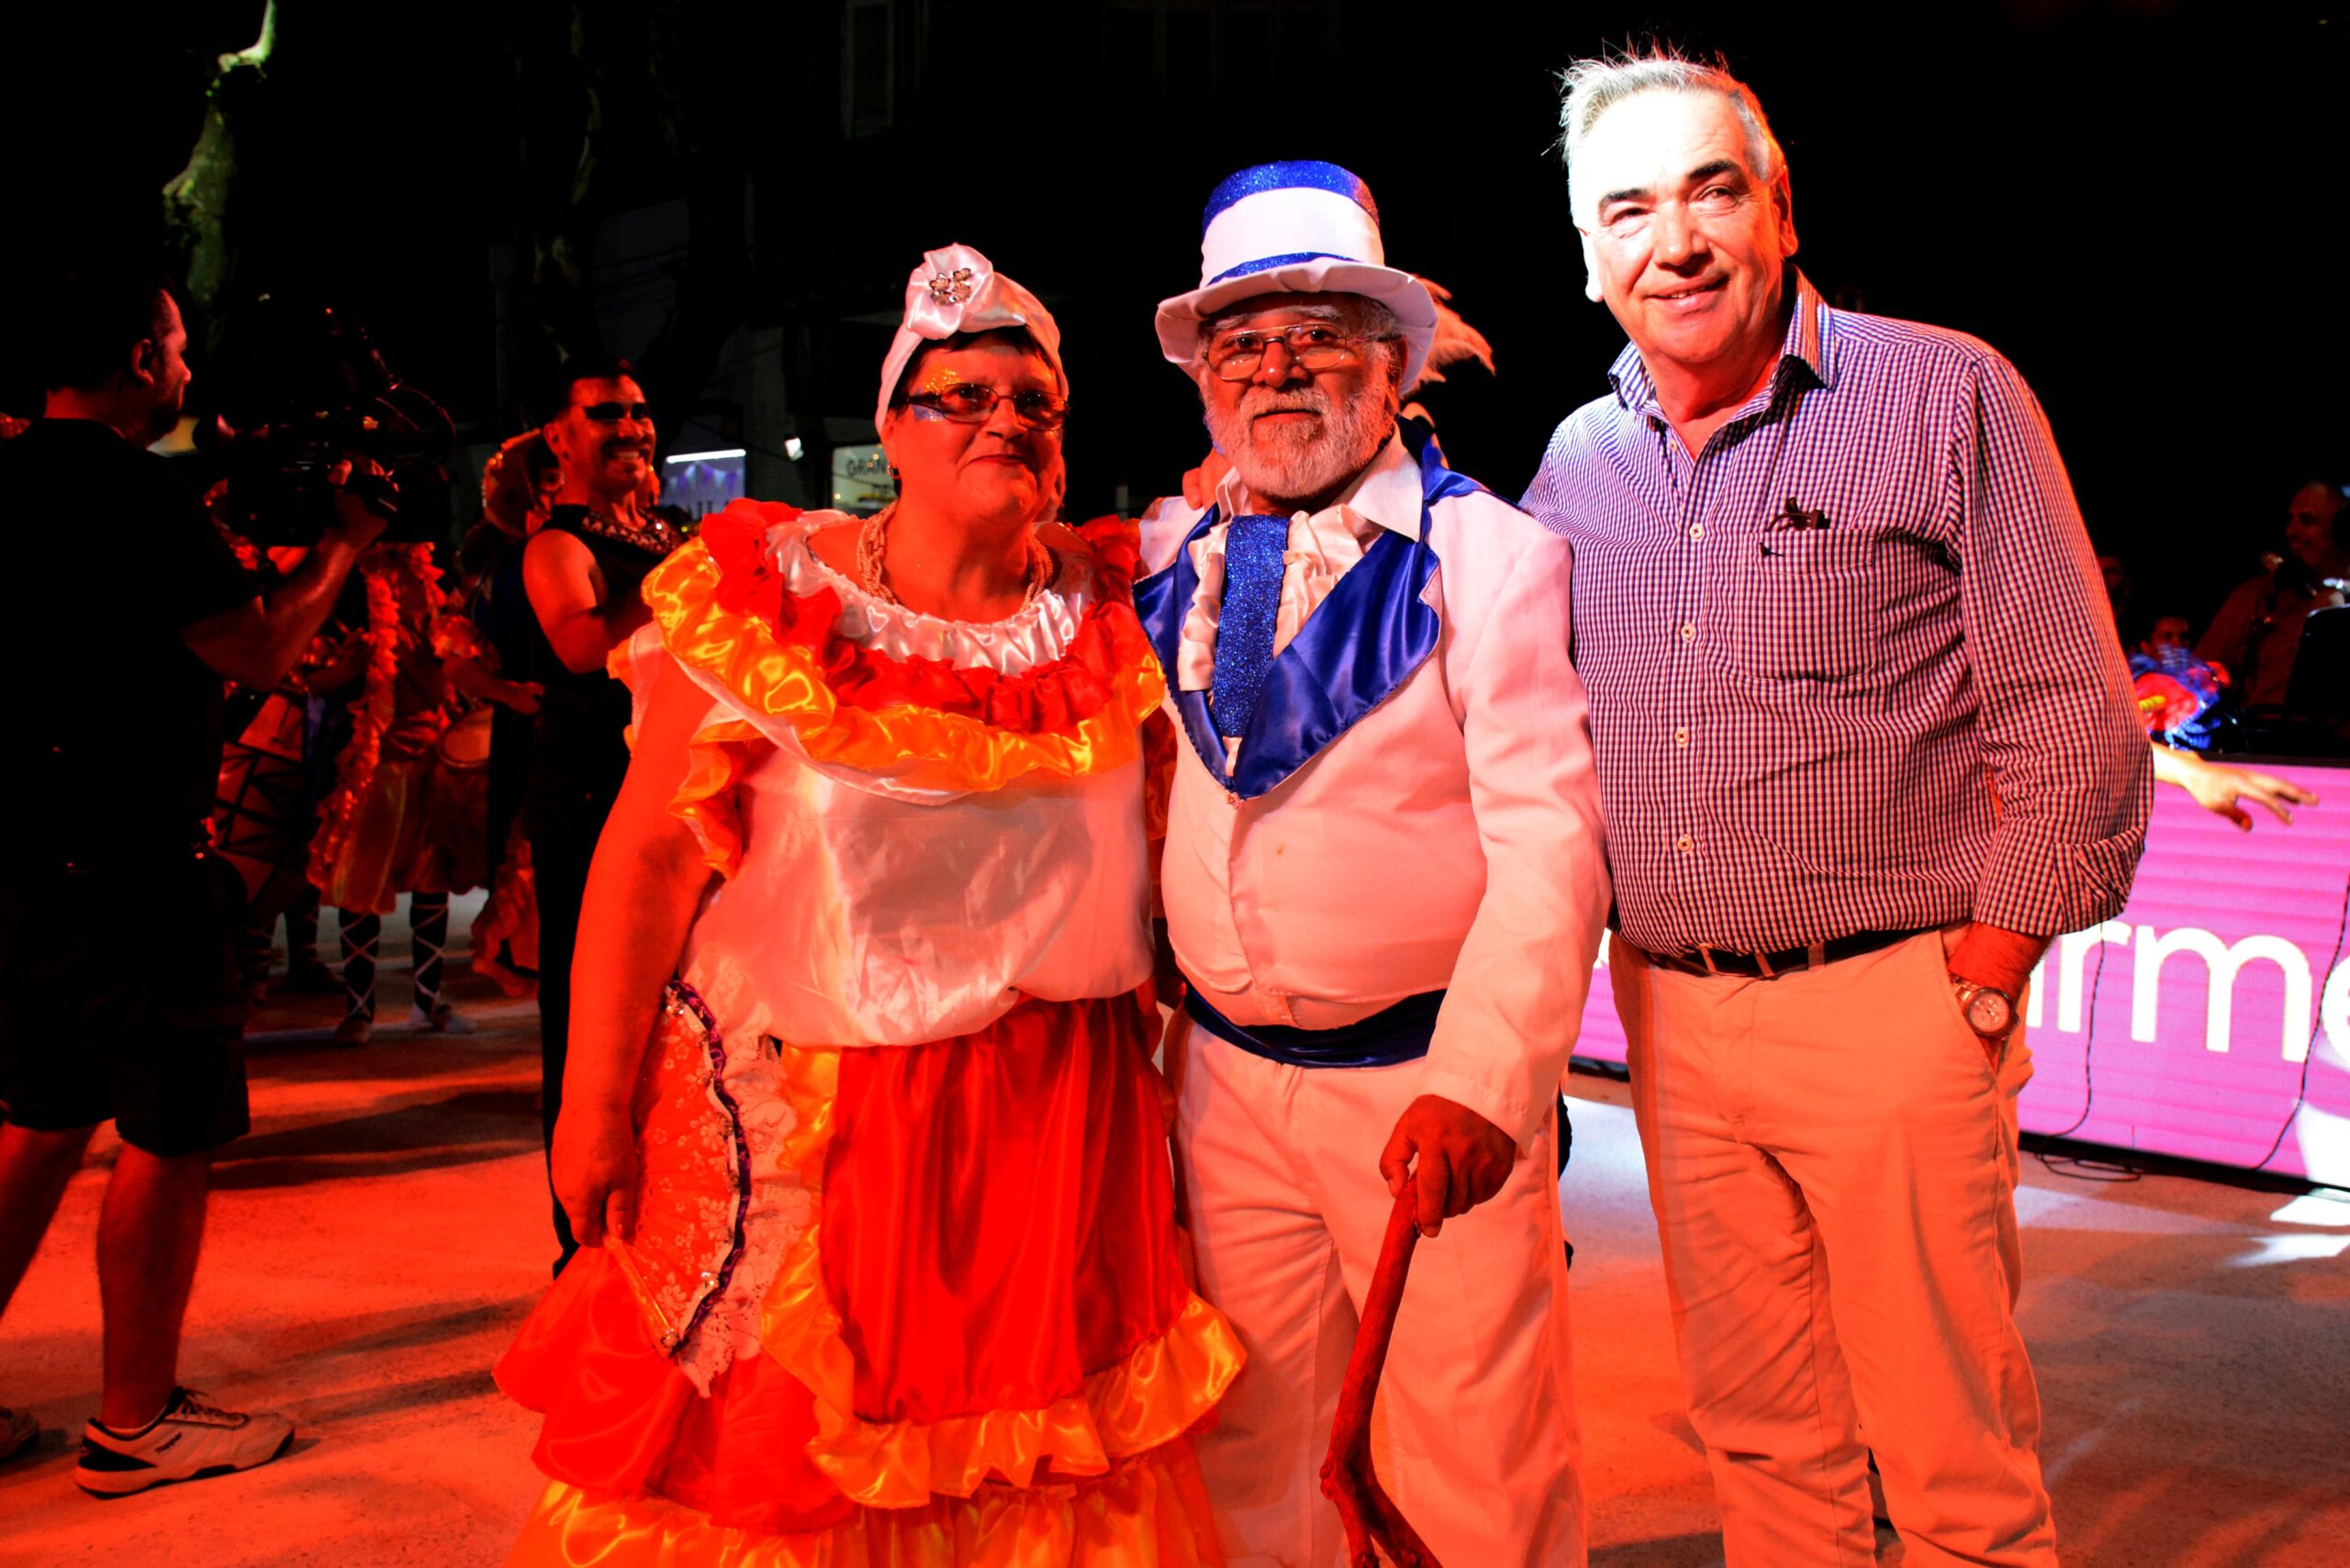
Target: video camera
column 308, row 394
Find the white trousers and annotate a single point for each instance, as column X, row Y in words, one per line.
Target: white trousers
column 1474, row 1435
column 1831, row 1157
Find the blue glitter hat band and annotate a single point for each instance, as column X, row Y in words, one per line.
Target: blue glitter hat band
column 1267, row 264
column 1300, row 226
column 1303, row 174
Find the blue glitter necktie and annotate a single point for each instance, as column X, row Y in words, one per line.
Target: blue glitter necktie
column 1253, row 547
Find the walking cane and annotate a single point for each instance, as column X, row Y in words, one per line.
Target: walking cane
column 1369, row 1515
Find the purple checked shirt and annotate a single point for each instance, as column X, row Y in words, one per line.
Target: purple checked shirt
column 1851, row 669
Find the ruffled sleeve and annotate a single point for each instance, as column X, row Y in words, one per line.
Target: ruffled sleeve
column 791, row 650
column 722, row 749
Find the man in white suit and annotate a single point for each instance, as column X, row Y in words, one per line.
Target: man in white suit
column 1384, row 888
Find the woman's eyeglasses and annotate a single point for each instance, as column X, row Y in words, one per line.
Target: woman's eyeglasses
column 970, row 403
column 1313, row 345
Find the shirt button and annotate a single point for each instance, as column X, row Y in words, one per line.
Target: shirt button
column 1697, row 530
column 1688, row 631
column 1685, row 844
column 1681, row 736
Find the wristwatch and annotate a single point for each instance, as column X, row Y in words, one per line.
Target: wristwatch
column 1988, row 1010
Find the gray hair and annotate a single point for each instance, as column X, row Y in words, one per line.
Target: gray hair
column 1592, row 87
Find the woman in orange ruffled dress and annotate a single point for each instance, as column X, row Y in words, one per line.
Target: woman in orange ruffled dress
column 859, row 1103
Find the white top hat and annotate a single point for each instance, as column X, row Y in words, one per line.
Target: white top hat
column 958, row 290
column 1301, row 227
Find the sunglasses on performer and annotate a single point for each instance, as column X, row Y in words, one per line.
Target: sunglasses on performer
column 969, row 403
column 613, row 413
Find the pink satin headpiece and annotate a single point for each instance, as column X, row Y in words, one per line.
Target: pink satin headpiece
column 958, row 290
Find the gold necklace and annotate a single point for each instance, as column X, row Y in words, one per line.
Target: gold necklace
column 873, row 543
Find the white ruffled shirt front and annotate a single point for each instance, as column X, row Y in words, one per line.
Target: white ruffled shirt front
column 877, row 911
column 1322, row 546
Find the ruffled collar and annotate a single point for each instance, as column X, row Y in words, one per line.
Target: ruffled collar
column 1059, row 688
column 1036, row 634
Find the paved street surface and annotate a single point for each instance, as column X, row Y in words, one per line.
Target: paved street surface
column 375, row 1240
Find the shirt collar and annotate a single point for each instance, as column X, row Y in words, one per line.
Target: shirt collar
column 1809, row 347
column 1387, row 492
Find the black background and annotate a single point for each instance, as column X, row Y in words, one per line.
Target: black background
column 2140, row 202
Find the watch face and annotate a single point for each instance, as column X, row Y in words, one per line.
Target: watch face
column 1988, row 1013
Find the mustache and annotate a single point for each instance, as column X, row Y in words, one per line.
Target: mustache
column 1260, row 400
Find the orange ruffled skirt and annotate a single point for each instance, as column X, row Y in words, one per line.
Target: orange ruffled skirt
column 960, row 1331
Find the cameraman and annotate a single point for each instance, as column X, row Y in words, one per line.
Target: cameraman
column 118, row 980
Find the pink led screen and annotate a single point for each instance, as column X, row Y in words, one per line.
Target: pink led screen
column 2206, row 1010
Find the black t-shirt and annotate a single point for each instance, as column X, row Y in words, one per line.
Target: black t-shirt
column 118, row 726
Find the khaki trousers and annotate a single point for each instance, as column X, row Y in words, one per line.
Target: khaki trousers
column 1474, row 1434
column 1831, row 1155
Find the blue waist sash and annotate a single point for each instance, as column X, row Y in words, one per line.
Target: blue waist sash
column 1392, row 1034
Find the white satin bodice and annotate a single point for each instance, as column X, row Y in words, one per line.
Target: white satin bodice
column 869, row 910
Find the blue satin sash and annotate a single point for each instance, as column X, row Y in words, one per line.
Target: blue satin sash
column 1360, row 644
column 1392, row 1034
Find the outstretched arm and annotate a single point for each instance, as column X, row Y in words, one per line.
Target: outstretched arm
column 2221, row 789
column 256, row 642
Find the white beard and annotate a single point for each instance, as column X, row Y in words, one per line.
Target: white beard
column 1289, row 463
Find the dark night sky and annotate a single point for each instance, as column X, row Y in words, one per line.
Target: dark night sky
column 2130, row 199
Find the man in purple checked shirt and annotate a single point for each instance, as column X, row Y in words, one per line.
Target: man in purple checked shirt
column 1866, row 744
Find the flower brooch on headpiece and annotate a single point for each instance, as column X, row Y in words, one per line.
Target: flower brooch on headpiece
column 956, row 289
column 952, row 288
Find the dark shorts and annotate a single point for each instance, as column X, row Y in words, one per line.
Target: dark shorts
column 120, row 1001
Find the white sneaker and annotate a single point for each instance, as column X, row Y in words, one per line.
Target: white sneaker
column 17, row 1430
column 188, row 1441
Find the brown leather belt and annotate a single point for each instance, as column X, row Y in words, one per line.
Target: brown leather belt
column 1771, row 965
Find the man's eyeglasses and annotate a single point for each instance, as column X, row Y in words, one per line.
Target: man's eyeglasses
column 971, row 403
column 1315, row 345
column 613, row 413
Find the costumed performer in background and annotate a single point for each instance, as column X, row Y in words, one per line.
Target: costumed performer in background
column 266, row 809
column 860, row 1133
column 519, row 487
column 389, row 826
column 1384, row 889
